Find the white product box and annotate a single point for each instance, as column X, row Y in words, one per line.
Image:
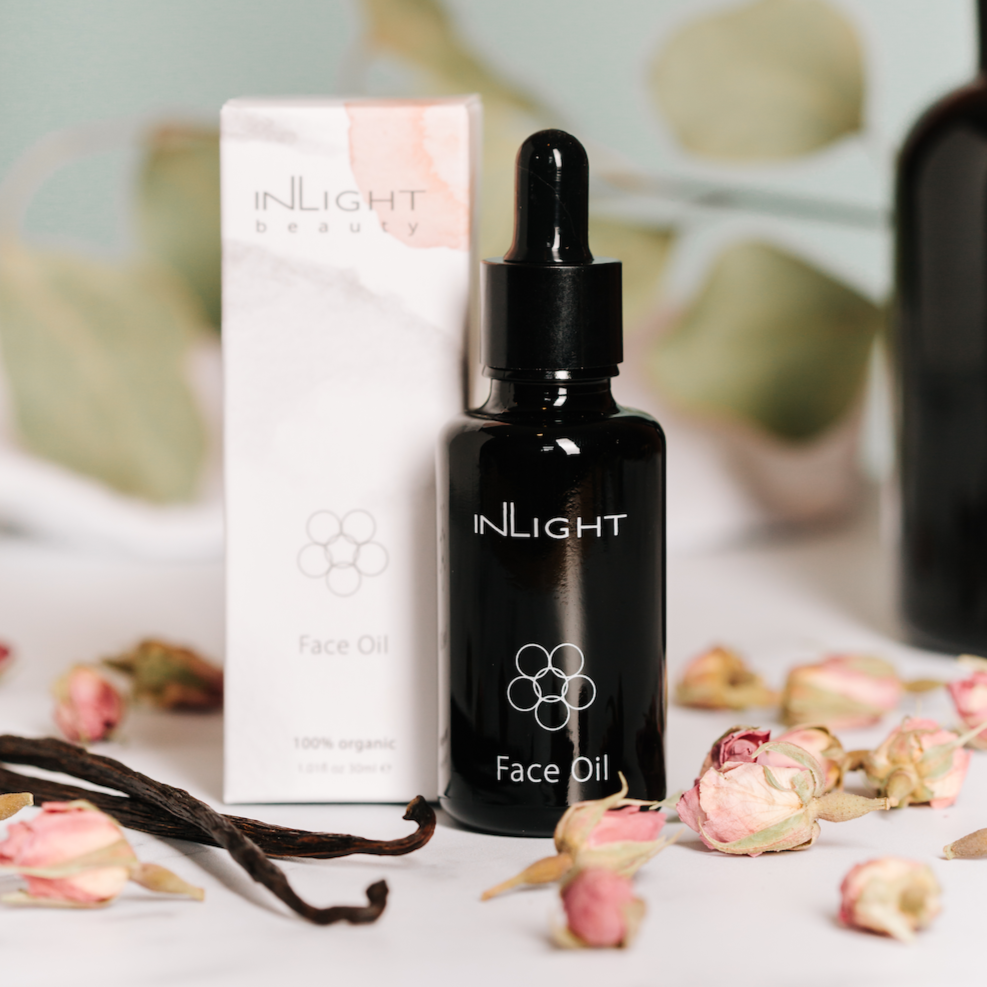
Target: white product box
column 346, row 277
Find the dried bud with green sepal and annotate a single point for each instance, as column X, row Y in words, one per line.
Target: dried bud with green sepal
column 919, row 762
column 616, row 833
column 170, row 677
column 719, row 679
column 749, row 807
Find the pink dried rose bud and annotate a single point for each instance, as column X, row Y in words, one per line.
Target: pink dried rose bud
column 890, row 895
column 72, row 855
column 89, row 707
column 841, row 691
column 615, row 832
column 601, row 910
column 741, row 744
column 823, row 746
column 970, row 699
column 170, row 677
column 918, row 762
column 719, row 679
column 742, row 805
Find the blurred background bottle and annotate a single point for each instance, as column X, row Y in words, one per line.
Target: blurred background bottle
column 941, row 348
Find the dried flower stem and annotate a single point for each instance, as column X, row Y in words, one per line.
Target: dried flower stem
column 55, row 755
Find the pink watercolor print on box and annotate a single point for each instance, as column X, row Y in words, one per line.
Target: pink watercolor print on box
column 413, row 171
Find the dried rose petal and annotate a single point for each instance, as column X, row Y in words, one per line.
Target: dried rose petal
column 970, row 699
column 822, row 745
column 890, row 895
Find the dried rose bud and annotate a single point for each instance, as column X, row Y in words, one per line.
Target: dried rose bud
column 918, row 762
column 6, row 657
column 737, row 744
column 170, row 677
column 823, row 746
column 970, row 699
column 719, row 679
column 89, row 708
column 615, row 832
column 9, row 804
column 841, row 691
column 890, row 895
column 742, row 744
column 749, row 807
column 601, row 910
column 73, row 855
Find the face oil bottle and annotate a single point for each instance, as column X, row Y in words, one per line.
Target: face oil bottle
column 551, row 517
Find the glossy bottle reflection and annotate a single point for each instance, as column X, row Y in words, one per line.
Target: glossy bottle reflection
column 555, row 537
column 941, row 351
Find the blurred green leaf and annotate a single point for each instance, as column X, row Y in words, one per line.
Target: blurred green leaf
column 767, row 80
column 770, row 340
column 96, row 359
column 178, row 208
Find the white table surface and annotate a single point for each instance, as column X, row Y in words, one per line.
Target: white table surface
column 711, row 919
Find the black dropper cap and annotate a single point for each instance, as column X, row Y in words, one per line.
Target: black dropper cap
column 548, row 306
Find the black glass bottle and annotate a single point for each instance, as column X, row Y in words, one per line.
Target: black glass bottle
column 941, row 351
column 551, row 522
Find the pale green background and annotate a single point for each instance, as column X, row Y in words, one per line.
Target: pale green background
column 64, row 62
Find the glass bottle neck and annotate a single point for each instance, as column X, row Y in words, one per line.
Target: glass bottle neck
column 550, row 397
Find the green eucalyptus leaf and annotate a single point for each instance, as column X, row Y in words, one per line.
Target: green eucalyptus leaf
column 767, row 80
column 769, row 340
column 96, row 363
column 178, row 208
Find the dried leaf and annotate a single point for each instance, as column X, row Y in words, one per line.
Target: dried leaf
column 768, row 80
column 178, row 208
column 769, row 340
column 14, row 802
column 95, row 356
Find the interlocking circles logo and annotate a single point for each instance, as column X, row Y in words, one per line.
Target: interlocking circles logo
column 551, row 684
column 342, row 550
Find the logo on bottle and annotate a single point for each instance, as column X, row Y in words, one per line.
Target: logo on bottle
column 342, row 550
column 508, row 525
column 551, row 684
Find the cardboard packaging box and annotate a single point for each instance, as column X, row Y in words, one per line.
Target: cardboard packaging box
column 347, row 229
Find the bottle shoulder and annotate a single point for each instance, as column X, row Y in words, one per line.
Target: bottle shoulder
column 961, row 109
column 476, row 426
